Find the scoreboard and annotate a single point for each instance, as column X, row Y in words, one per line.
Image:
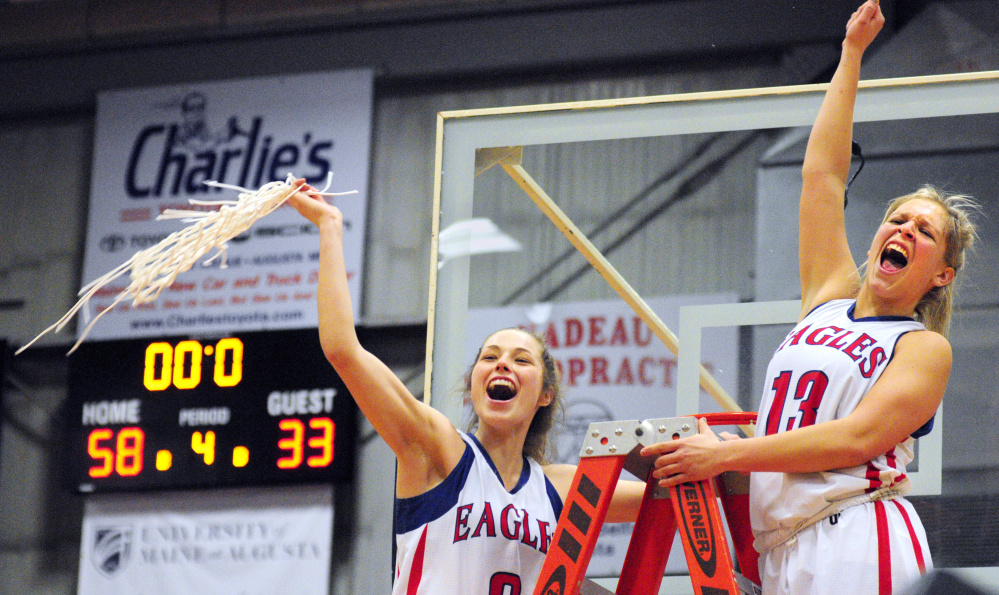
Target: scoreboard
column 244, row 409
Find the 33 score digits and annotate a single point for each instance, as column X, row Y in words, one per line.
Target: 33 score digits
column 122, row 453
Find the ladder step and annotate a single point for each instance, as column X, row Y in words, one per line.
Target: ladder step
column 690, row 508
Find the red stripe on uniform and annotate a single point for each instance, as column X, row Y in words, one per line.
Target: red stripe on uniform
column 874, row 477
column 916, row 548
column 891, row 459
column 884, row 550
column 416, row 571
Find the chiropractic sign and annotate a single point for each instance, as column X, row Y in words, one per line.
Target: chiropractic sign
column 154, row 150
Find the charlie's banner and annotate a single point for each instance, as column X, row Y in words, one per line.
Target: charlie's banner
column 155, row 148
column 238, row 542
column 614, row 368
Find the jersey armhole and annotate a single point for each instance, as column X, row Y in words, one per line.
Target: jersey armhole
column 556, row 500
column 924, row 429
column 417, row 511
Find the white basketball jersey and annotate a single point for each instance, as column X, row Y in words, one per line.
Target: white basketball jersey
column 470, row 536
column 821, row 371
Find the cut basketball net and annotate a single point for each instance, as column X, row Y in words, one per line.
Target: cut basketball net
column 155, row 268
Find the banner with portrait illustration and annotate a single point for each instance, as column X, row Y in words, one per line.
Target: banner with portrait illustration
column 155, row 147
column 221, row 542
column 614, row 368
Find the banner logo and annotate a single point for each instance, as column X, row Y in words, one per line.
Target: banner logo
column 175, row 158
column 111, row 549
column 698, row 525
column 112, row 243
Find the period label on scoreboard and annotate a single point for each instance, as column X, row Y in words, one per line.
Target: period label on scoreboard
column 185, row 412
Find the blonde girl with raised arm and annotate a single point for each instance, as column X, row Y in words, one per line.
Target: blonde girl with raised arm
column 851, row 386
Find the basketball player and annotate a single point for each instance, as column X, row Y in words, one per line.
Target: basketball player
column 475, row 512
column 858, row 378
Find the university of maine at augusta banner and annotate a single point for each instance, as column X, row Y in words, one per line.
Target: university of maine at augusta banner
column 231, row 542
column 155, row 148
column 614, row 368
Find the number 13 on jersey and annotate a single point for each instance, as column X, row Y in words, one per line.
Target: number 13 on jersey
column 797, row 405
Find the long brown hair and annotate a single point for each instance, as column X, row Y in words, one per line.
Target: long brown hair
column 540, row 442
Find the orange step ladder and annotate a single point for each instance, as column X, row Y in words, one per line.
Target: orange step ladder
column 690, row 508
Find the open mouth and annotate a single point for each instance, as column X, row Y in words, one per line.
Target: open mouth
column 501, row 389
column 894, row 258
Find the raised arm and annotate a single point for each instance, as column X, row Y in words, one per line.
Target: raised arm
column 422, row 438
column 826, row 265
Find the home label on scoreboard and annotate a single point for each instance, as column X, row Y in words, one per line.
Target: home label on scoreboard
column 253, row 408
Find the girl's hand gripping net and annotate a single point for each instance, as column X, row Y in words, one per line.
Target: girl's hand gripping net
column 156, row 267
